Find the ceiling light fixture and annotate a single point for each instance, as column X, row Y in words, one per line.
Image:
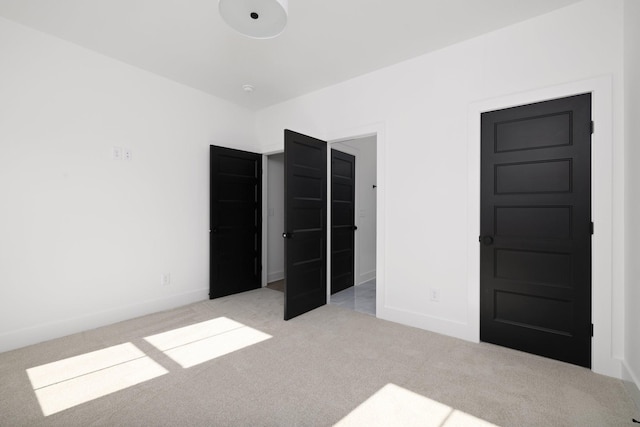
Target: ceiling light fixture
column 259, row 19
column 248, row 88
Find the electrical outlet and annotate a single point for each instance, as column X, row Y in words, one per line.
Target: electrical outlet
column 165, row 279
column 434, row 295
column 116, row 154
column 127, row 154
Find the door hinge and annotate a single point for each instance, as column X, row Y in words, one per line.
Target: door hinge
column 591, row 227
column 592, row 329
column 592, row 126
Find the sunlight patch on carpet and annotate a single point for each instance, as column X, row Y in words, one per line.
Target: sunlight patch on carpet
column 394, row 405
column 70, row 382
column 205, row 341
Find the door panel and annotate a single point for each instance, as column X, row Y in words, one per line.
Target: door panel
column 236, row 221
column 343, row 183
column 305, row 223
column 543, row 222
column 533, row 177
column 545, row 268
column 535, row 256
column 550, row 130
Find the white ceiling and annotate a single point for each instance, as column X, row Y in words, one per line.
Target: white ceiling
column 325, row 42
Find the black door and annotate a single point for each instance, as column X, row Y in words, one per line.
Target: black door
column 343, row 193
column 535, row 257
column 235, row 221
column 305, row 223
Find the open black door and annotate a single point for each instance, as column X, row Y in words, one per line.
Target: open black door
column 305, row 223
column 343, row 198
column 235, row 221
column 535, row 256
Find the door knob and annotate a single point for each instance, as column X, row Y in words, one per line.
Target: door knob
column 355, row 227
column 486, row 240
column 287, row 235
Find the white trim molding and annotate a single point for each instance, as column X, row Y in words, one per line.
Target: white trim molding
column 631, row 384
column 61, row 328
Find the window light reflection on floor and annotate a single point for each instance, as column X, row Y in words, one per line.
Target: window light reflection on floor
column 69, row 382
column 204, row 341
column 394, row 405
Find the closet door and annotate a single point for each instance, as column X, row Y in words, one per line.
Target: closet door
column 235, row 221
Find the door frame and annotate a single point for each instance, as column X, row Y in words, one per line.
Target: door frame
column 605, row 275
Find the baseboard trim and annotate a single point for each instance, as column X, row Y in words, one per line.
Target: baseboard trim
column 275, row 276
column 365, row 277
column 435, row 324
column 631, row 383
column 48, row 331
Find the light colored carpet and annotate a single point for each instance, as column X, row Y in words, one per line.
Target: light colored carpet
column 314, row 371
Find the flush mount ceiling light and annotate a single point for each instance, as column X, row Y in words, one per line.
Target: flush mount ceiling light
column 260, row 19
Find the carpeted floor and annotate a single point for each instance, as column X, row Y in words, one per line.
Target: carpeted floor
column 315, row 370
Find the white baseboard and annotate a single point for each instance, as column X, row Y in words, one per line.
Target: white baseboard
column 48, row 331
column 430, row 323
column 275, row 276
column 365, row 277
column 631, row 383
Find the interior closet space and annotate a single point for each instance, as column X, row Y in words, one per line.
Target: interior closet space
column 275, row 221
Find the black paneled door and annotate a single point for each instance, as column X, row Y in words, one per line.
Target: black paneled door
column 235, row 221
column 343, row 194
column 535, row 256
column 305, row 182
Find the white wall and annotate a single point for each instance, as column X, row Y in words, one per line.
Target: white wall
column 275, row 217
column 421, row 107
column 84, row 239
column 366, row 207
column 632, row 136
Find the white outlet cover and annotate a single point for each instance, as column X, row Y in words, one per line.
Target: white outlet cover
column 116, row 153
column 127, row 153
column 165, row 279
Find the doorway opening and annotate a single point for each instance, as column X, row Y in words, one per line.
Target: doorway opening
column 275, row 271
column 359, row 291
column 291, row 209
